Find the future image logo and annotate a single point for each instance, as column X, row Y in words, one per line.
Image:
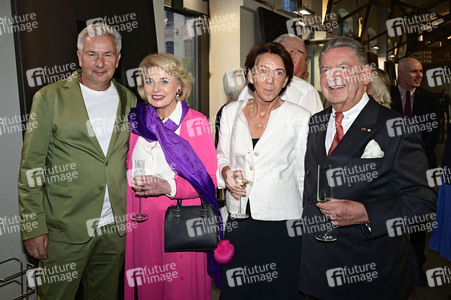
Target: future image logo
column 57, row 173
column 198, row 127
column 134, row 77
column 395, row 227
column 351, row 274
column 411, row 24
column 122, row 23
column 438, row 76
column 438, row 276
column 407, row 125
column 295, row 227
column 351, row 174
column 252, row 274
column 18, row 23
column 16, row 124
column 45, row 75
column 17, row 224
column 201, row 226
column 434, row 176
column 54, row 274
column 236, row 77
column 221, row 23
column 412, row 224
column 97, row 226
column 149, row 275
column 308, row 24
column 308, row 225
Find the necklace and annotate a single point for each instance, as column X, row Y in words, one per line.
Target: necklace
column 252, row 115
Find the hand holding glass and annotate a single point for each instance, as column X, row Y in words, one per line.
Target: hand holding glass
column 324, row 193
column 240, row 179
column 139, row 171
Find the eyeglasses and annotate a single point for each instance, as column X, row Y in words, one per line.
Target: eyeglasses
column 299, row 52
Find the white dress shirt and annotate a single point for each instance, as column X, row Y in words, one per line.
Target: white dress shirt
column 348, row 118
column 299, row 92
column 276, row 164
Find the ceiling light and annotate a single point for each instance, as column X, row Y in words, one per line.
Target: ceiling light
column 303, row 11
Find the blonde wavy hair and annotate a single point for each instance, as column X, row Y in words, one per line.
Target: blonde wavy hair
column 379, row 87
column 172, row 66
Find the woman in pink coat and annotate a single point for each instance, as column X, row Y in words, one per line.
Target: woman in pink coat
column 167, row 140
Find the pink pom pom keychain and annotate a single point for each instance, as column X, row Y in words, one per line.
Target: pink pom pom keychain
column 224, row 252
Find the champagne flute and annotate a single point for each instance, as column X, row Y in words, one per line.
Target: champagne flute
column 324, row 193
column 240, row 178
column 139, row 171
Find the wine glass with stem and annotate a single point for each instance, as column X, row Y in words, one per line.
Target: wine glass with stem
column 239, row 175
column 139, row 171
column 324, row 193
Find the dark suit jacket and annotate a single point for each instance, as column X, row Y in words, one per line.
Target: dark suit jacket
column 425, row 104
column 68, row 205
column 397, row 189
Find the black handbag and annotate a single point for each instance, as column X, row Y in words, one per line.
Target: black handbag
column 191, row 228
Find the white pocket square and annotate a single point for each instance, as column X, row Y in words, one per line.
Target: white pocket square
column 372, row 150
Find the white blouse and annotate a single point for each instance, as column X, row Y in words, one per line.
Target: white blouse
column 148, row 158
column 276, row 164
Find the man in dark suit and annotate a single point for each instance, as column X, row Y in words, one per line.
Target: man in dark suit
column 377, row 189
column 424, row 108
column 424, row 105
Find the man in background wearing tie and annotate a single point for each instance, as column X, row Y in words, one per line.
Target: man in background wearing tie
column 415, row 102
column 378, row 179
column 420, row 103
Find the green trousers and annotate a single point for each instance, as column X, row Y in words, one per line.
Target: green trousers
column 95, row 264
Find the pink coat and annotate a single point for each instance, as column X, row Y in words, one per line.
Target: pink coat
column 158, row 274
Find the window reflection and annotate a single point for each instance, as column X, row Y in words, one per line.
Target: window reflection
column 178, row 42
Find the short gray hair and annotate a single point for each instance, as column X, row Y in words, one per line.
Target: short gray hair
column 99, row 29
column 344, row 41
column 282, row 38
column 233, row 82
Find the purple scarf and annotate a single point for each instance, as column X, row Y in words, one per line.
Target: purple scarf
column 179, row 154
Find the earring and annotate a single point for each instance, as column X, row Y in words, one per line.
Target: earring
column 178, row 93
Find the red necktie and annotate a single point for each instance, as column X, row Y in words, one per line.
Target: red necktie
column 339, row 133
column 407, row 109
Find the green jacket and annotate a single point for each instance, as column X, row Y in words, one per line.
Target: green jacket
column 63, row 170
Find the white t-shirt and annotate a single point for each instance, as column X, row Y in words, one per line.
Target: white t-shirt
column 102, row 109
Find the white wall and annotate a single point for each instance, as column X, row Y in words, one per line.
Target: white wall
column 10, row 148
column 224, row 49
column 159, row 14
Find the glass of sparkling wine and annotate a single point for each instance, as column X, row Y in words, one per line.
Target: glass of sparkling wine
column 240, row 178
column 324, row 193
column 139, row 171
